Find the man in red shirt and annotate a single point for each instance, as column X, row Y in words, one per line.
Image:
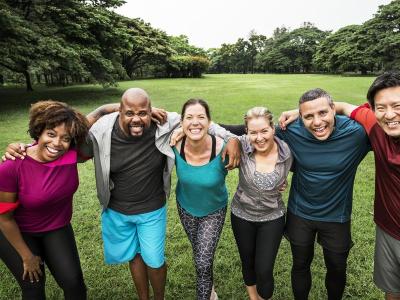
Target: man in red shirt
column 381, row 120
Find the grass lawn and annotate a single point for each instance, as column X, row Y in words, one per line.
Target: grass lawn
column 229, row 97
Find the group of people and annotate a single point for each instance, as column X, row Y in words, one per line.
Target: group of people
column 134, row 156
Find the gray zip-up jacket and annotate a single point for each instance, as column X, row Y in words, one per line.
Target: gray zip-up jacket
column 99, row 147
column 263, row 201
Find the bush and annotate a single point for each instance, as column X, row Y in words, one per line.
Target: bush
column 187, row 66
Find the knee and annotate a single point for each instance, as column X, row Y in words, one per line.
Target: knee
column 73, row 282
column 336, row 262
column 35, row 290
column 301, row 265
column 338, row 267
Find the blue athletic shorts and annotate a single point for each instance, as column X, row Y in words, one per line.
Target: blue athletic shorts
column 124, row 236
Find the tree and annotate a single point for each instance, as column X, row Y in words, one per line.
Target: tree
column 62, row 40
column 382, row 36
column 344, row 51
column 149, row 46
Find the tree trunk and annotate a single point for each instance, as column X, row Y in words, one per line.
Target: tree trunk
column 28, row 81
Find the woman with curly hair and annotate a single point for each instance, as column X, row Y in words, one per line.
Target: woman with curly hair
column 36, row 203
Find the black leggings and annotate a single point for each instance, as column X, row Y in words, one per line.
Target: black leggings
column 58, row 251
column 335, row 279
column 258, row 244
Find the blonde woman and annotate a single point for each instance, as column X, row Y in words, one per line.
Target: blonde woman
column 257, row 210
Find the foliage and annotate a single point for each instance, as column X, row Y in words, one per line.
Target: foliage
column 187, row 66
column 150, row 46
column 60, row 42
column 84, row 41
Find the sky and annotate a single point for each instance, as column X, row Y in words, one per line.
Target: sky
column 209, row 23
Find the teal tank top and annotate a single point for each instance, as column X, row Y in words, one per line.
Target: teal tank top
column 201, row 190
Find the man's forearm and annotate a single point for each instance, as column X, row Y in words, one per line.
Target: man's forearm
column 103, row 110
column 343, row 108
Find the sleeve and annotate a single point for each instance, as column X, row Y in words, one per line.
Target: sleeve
column 235, row 129
column 365, row 116
column 6, row 207
column 221, row 132
column 173, row 120
column 85, row 149
column 9, row 176
column 279, row 132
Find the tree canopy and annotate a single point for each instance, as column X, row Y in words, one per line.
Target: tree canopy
column 74, row 41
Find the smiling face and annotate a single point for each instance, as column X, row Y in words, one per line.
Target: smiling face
column 195, row 122
column 135, row 114
column 52, row 143
column 387, row 110
column 318, row 117
column 260, row 133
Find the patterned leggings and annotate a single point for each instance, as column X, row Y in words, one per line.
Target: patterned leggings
column 203, row 233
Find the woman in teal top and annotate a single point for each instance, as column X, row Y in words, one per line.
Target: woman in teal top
column 201, row 192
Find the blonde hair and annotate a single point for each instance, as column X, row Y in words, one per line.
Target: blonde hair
column 258, row 112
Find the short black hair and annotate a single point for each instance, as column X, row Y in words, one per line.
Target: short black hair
column 384, row 81
column 315, row 94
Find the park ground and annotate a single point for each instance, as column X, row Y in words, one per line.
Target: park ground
column 229, row 97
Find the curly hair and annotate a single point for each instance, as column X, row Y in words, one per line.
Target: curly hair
column 49, row 114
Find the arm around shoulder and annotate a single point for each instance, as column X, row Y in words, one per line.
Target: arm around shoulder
column 344, row 108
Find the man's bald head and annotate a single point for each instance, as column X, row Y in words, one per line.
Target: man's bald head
column 135, row 112
column 135, row 96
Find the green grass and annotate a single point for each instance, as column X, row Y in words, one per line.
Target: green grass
column 229, row 97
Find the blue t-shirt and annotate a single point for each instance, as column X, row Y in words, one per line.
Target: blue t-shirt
column 324, row 171
column 201, row 190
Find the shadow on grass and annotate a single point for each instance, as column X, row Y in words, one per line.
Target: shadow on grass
column 12, row 98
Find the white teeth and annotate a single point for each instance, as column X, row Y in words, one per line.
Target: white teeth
column 392, row 123
column 320, row 129
column 195, row 131
column 51, row 150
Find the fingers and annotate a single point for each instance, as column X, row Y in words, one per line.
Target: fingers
column 13, row 151
column 22, row 147
column 32, row 270
column 283, row 187
column 176, row 136
column 158, row 115
column 31, row 277
column 223, row 155
column 172, row 142
column 232, row 149
column 282, row 121
column 36, row 275
column 234, row 159
column 155, row 120
column 163, row 116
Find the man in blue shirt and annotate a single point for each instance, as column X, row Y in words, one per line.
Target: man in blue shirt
column 327, row 150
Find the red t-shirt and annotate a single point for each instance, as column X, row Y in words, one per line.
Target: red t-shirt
column 387, row 175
